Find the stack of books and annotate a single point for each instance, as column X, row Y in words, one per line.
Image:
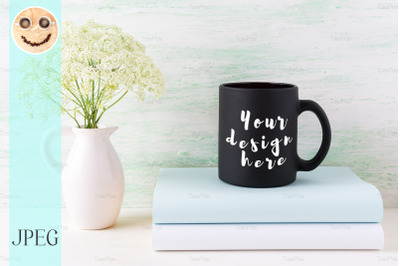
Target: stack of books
column 328, row 208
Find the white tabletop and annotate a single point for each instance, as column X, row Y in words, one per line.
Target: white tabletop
column 129, row 243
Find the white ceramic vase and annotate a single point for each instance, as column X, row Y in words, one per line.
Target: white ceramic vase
column 93, row 179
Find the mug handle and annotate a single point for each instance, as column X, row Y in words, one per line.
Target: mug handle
column 308, row 165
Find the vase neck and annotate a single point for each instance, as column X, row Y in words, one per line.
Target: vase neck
column 94, row 133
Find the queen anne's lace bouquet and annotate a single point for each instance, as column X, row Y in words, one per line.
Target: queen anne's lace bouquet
column 100, row 65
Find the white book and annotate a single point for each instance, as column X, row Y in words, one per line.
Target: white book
column 259, row 236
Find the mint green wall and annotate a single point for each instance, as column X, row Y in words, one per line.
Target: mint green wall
column 342, row 54
column 4, row 106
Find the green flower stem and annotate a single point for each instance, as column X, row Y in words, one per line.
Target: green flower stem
column 117, row 100
column 76, row 121
column 80, row 93
column 92, row 93
column 92, row 112
column 89, row 104
column 73, row 94
column 106, row 108
column 74, row 101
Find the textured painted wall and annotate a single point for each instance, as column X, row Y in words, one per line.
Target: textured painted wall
column 342, row 54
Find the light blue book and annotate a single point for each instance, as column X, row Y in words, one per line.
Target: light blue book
column 327, row 194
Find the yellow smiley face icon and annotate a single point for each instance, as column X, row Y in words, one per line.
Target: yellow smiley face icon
column 35, row 30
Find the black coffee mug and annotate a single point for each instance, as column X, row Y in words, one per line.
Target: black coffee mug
column 258, row 134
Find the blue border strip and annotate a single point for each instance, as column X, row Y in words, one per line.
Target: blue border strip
column 35, row 185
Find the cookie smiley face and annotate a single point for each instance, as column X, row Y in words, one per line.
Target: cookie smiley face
column 35, row 30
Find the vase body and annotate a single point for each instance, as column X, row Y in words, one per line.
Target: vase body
column 93, row 179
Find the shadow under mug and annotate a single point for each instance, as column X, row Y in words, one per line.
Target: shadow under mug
column 257, row 145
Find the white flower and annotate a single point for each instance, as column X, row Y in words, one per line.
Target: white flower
column 101, row 63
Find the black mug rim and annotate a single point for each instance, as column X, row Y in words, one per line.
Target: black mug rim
column 258, row 85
